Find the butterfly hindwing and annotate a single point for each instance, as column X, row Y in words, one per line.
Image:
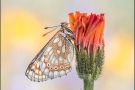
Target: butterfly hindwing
column 34, row 71
column 54, row 60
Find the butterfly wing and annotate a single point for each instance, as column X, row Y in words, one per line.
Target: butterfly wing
column 54, row 60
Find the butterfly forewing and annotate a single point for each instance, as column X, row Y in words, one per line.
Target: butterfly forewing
column 54, row 60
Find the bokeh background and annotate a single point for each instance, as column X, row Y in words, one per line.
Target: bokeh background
column 22, row 27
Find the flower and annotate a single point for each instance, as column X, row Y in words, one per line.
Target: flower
column 89, row 45
column 88, row 30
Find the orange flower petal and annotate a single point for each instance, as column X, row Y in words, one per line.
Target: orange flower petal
column 77, row 15
column 84, row 22
column 71, row 20
column 98, row 32
column 101, row 34
column 88, row 30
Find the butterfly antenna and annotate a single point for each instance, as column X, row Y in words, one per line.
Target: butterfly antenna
column 50, row 31
column 52, row 27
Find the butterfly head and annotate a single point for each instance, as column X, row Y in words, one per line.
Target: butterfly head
column 64, row 24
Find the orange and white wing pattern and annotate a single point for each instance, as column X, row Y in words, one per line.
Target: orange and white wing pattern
column 54, row 60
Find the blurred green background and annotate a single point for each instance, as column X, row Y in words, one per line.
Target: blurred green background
column 22, row 27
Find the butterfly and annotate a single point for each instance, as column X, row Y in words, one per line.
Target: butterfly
column 54, row 59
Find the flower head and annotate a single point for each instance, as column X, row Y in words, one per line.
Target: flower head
column 89, row 45
column 88, row 30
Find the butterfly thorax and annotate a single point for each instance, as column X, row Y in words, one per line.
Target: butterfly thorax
column 66, row 32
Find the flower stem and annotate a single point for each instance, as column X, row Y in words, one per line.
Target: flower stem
column 88, row 84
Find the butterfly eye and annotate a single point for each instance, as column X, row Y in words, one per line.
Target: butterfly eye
column 64, row 24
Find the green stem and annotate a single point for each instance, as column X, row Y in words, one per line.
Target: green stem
column 88, row 84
